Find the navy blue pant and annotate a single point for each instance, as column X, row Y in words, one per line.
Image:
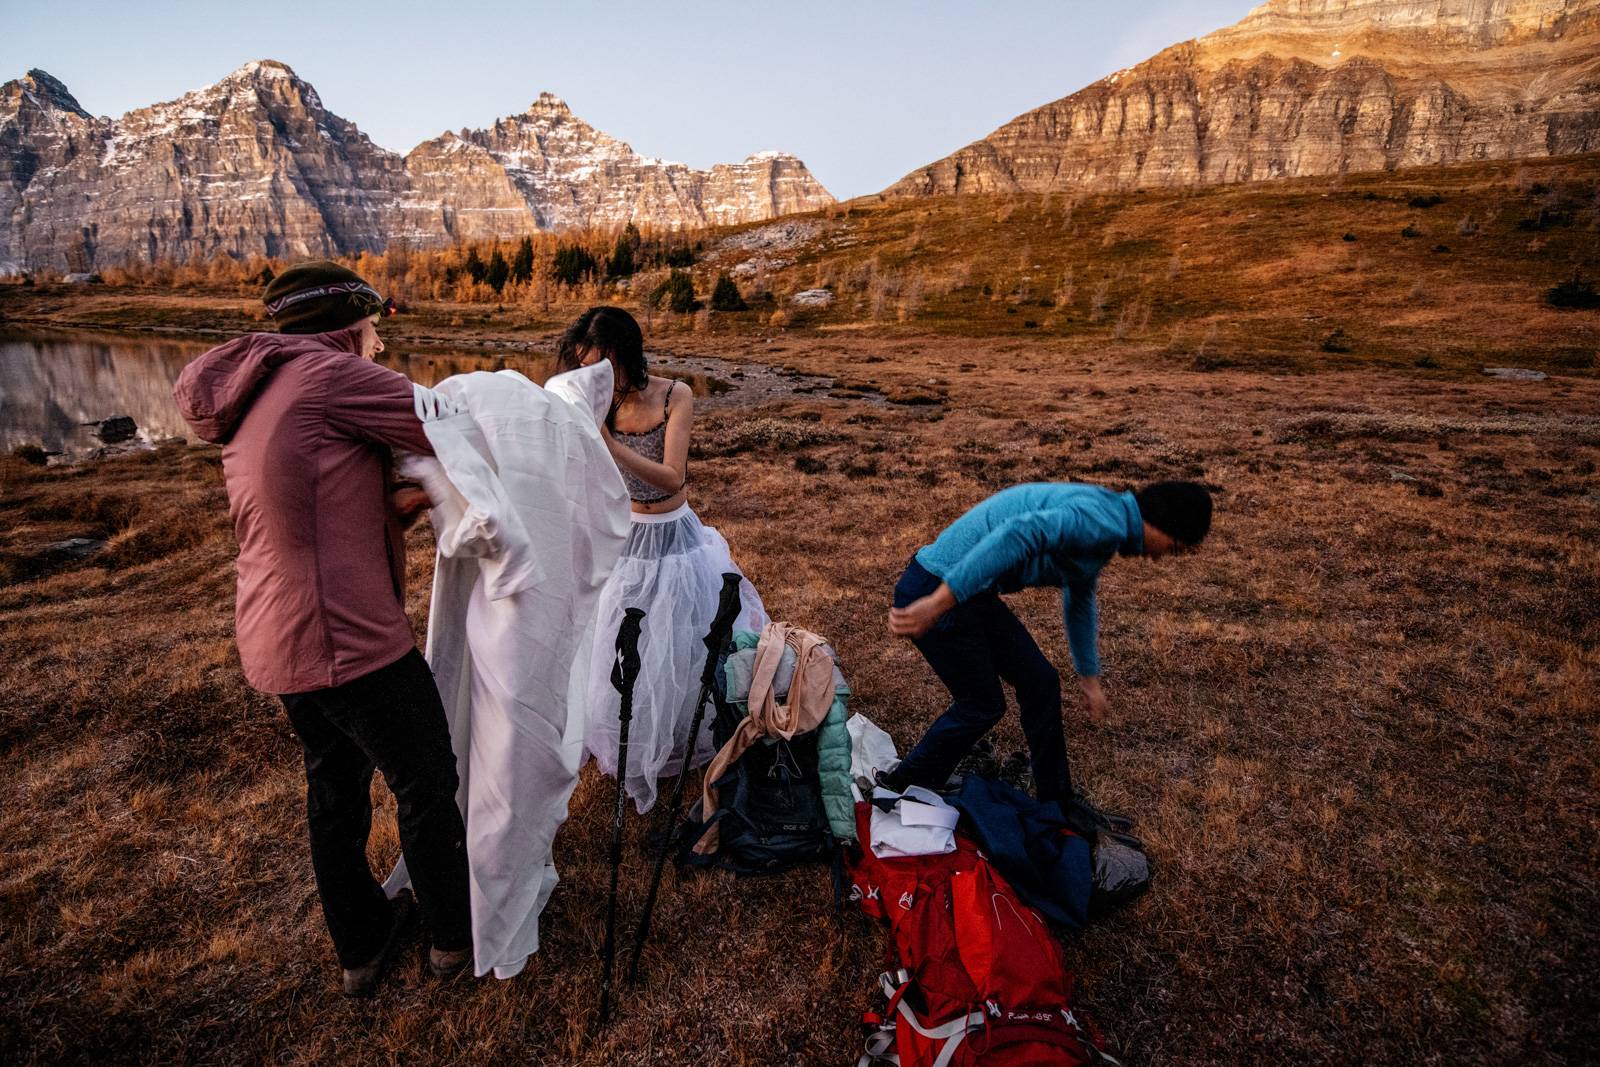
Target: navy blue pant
column 973, row 648
column 393, row 721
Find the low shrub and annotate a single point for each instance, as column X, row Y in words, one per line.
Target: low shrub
column 1575, row 360
column 1573, row 294
column 1544, row 220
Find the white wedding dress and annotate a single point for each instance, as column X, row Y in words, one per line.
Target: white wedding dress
column 530, row 516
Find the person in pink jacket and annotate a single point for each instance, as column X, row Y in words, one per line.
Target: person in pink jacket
column 307, row 422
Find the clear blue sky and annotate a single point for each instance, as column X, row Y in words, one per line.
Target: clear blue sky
column 863, row 92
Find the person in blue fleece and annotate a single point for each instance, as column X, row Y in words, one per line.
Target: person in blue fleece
column 948, row 603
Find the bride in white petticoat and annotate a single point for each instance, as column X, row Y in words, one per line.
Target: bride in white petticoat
column 671, row 566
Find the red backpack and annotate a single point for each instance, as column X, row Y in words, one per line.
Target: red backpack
column 981, row 978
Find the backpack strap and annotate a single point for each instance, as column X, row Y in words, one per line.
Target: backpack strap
column 879, row 1049
column 688, row 851
column 895, row 984
column 1096, row 1054
column 951, row 1033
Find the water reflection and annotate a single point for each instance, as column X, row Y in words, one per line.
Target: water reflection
column 55, row 386
column 431, row 369
column 52, row 386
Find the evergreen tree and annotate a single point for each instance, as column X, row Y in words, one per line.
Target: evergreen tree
column 498, row 271
column 572, row 264
column 681, row 256
column 678, row 292
column 522, row 262
column 621, row 264
column 725, row 297
column 474, row 265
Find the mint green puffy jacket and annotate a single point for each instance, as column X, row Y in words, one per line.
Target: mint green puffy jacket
column 833, row 740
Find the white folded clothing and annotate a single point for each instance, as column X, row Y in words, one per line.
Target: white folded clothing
column 871, row 750
column 919, row 824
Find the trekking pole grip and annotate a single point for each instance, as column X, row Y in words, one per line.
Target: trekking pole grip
column 627, row 665
column 721, row 626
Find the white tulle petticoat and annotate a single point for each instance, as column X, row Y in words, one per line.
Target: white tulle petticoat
column 672, row 569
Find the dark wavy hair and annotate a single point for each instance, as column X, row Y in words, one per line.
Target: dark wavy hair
column 613, row 333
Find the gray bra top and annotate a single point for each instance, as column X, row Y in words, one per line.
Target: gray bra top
column 652, row 445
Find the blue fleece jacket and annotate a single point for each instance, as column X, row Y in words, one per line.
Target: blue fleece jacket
column 1052, row 534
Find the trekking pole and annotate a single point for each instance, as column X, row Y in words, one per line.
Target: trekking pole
column 715, row 640
column 623, row 674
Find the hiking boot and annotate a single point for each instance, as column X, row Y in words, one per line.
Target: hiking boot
column 980, row 762
column 443, row 964
column 888, row 780
column 363, row 981
column 1017, row 772
column 1084, row 809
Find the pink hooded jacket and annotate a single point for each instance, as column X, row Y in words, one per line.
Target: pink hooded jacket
column 306, row 426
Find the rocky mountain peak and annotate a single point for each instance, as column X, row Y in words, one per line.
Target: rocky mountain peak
column 258, row 71
column 268, row 80
column 546, row 168
column 44, row 90
column 549, row 106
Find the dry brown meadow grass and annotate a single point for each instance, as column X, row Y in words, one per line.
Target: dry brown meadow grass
column 1359, row 730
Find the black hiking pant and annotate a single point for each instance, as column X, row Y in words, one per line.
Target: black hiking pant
column 391, row 720
column 973, row 648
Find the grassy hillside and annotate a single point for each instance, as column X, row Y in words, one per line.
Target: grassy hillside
column 1447, row 266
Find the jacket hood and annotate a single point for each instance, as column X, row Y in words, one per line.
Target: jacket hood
column 215, row 391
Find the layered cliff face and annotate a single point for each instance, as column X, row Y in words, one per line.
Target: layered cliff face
column 569, row 174
column 1459, row 21
column 251, row 165
column 42, row 132
column 1310, row 87
column 459, row 192
column 255, row 165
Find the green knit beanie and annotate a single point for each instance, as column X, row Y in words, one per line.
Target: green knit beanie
column 319, row 297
